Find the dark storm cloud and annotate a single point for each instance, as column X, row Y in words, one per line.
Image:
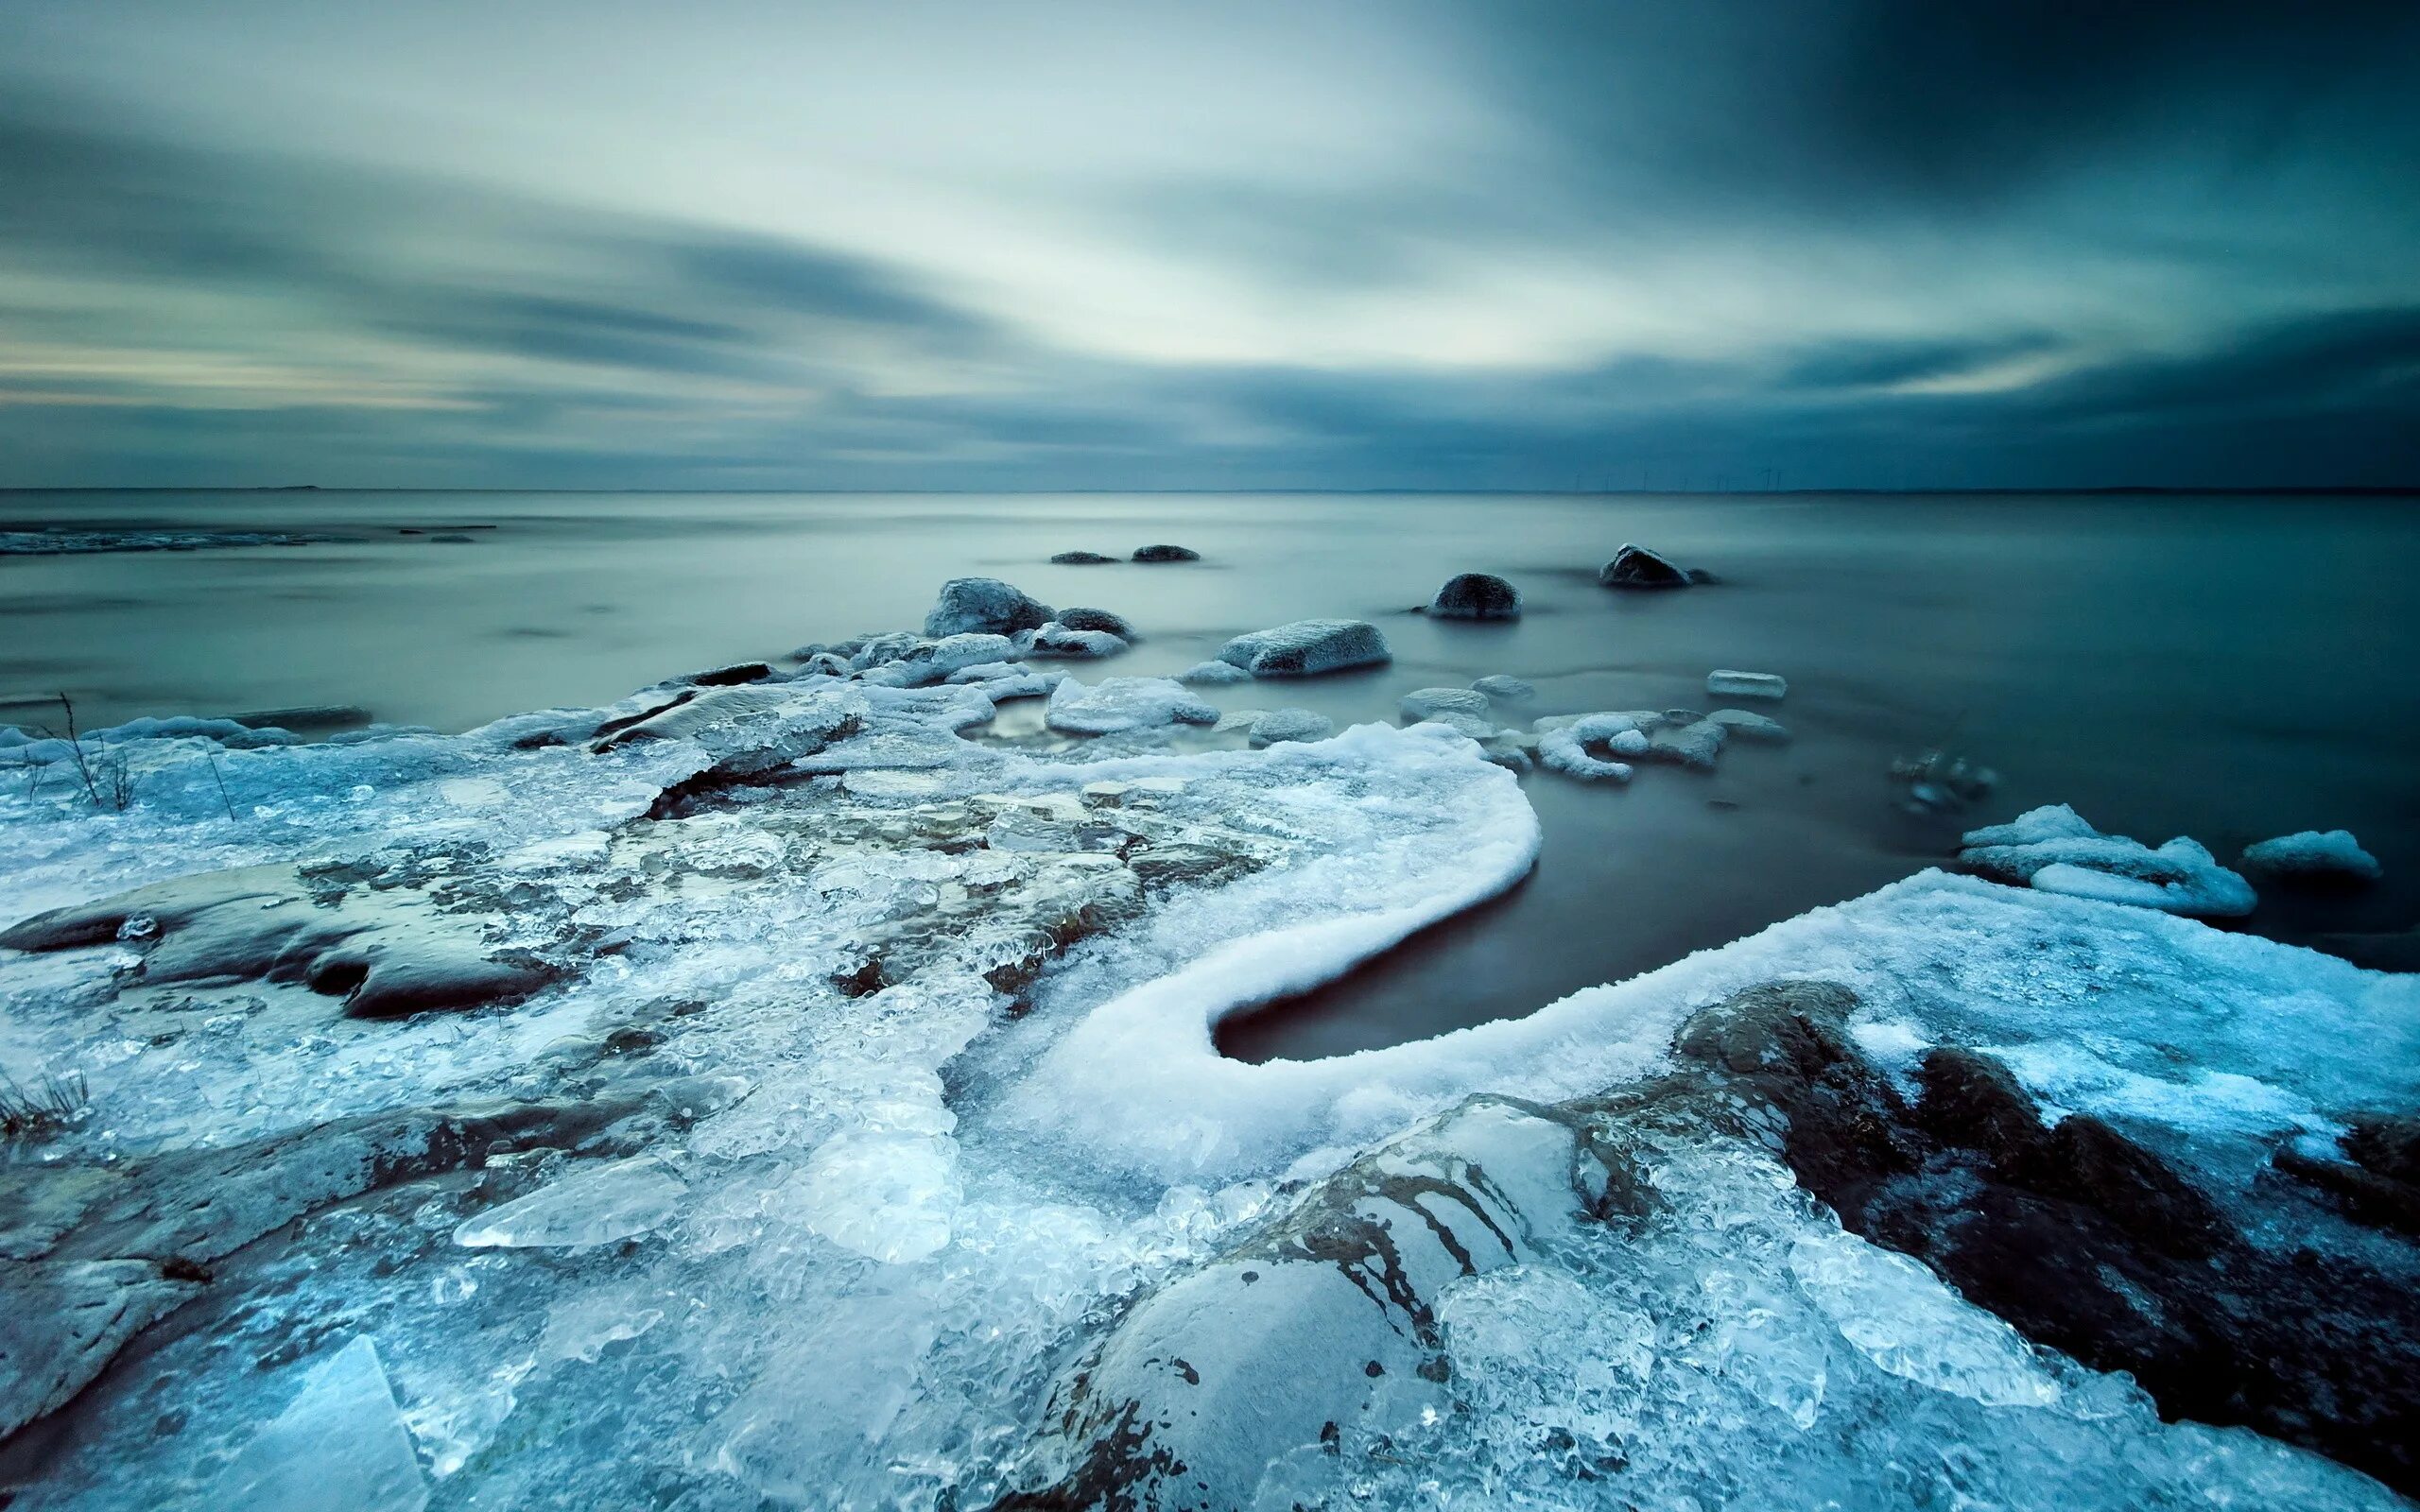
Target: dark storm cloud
column 1819, row 242
column 1943, row 106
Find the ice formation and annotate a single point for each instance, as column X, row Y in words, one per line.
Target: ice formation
column 1212, row 675
column 2053, row 850
column 985, row 605
column 859, row 1140
column 1562, row 746
column 1291, row 724
column 1428, row 703
column 2312, row 855
column 1499, row 685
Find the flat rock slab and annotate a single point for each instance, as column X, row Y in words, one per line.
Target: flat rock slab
column 1307, row 647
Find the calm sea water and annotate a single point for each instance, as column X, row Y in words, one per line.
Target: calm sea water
column 2224, row 667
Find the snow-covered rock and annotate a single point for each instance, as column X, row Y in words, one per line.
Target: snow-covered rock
column 1307, row 647
column 2312, row 855
column 1475, row 596
column 1564, row 742
column 983, row 606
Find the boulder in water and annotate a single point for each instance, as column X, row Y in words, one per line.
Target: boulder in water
column 1635, row 566
column 1428, row 703
column 1477, row 597
column 984, row 606
column 1510, row 689
column 1080, row 558
column 1167, row 554
column 1307, row 647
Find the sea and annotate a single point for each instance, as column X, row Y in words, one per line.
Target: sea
column 2228, row 666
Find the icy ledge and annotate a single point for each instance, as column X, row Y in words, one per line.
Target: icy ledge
column 860, row 1131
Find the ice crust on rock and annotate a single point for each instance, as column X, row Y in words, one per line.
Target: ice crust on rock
column 2053, row 848
column 2324, row 856
column 1740, row 724
column 1060, row 640
column 1307, row 647
column 899, row 1046
column 1502, row 685
column 1724, row 683
column 983, row 606
column 1124, row 703
column 1212, row 675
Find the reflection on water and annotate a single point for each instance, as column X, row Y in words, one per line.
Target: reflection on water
column 2225, row 667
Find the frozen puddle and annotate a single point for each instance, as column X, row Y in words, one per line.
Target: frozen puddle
column 856, row 1139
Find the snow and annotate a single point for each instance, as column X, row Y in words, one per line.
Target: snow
column 2308, row 854
column 2053, row 850
column 872, row 1128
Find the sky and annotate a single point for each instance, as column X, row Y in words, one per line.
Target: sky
column 1499, row 244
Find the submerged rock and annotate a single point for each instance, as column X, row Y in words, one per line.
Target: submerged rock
column 1477, row 597
column 1307, row 647
column 1212, row 675
column 1742, row 725
column 1638, row 567
column 1167, row 554
column 1080, row 558
column 1498, row 685
column 1426, row 703
column 1696, row 744
column 983, row 606
column 1291, row 724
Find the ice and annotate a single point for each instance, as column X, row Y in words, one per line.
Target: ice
column 599, row 1206
column 1899, row 1316
column 1056, row 639
column 2053, row 850
column 2312, row 853
column 1725, row 683
column 339, row 1447
column 1742, row 725
column 888, row 1197
column 1125, row 703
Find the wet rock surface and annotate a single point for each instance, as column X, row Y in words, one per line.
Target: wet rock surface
column 1475, row 596
column 1336, row 1322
